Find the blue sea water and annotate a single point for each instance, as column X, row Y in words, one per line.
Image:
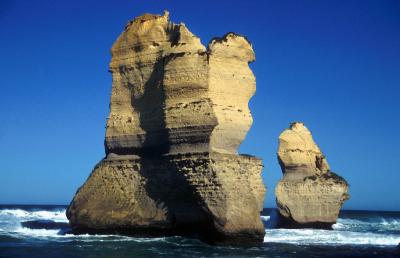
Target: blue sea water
column 356, row 234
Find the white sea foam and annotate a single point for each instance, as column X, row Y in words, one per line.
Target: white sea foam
column 378, row 231
column 40, row 233
column 375, row 225
column 329, row 237
column 265, row 218
column 23, row 215
column 10, row 224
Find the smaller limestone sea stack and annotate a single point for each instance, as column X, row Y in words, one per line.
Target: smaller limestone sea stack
column 309, row 194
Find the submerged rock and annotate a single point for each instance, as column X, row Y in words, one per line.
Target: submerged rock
column 309, row 194
column 178, row 113
column 45, row 224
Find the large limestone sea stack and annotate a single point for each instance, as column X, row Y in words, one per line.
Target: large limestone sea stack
column 178, row 113
column 309, row 194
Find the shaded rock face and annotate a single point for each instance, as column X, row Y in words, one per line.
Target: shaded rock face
column 309, row 194
column 178, row 113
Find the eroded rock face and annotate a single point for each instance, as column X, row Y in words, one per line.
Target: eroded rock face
column 309, row 194
column 178, row 113
column 171, row 95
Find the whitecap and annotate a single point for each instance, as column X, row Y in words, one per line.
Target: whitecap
column 36, row 232
column 23, row 215
column 381, row 225
column 329, row 237
column 265, row 218
column 10, row 224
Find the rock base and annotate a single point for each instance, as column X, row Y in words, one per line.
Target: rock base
column 312, row 202
column 216, row 196
column 289, row 223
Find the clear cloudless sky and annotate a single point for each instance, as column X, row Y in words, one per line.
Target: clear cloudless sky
column 335, row 65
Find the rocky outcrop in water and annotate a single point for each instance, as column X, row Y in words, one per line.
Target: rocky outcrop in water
column 178, row 114
column 309, row 194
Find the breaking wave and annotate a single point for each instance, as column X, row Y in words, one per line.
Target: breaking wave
column 377, row 231
column 376, row 225
column 11, row 219
column 57, row 215
column 373, row 231
column 329, row 237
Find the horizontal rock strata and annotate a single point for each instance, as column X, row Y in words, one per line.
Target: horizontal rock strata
column 174, row 194
column 171, row 94
column 309, row 194
column 178, row 113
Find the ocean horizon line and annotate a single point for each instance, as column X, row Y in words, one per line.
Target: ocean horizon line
column 2, row 205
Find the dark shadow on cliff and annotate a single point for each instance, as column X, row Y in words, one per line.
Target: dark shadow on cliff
column 167, row 186
column 181, row 208
column 150, row 106
column 165, row 183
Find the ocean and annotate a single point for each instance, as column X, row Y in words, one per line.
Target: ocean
column 40, row 231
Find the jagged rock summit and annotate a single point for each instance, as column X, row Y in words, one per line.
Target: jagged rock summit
column 178, row 114
column 309, row 194
column 171, row 94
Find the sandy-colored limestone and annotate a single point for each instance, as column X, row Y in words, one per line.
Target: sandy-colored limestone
column 178, row 114
column 298, row 154
column 171, row 95
column 309, row 194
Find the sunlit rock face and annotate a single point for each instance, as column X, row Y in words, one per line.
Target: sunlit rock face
column 178, row 113
column 171, row 95
column 309, row 194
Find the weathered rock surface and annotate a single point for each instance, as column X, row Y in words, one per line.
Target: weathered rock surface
column 171, row 94
column 178, row 113
column 309, row 194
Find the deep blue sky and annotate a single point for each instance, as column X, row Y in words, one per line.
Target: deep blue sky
column 334, row 65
